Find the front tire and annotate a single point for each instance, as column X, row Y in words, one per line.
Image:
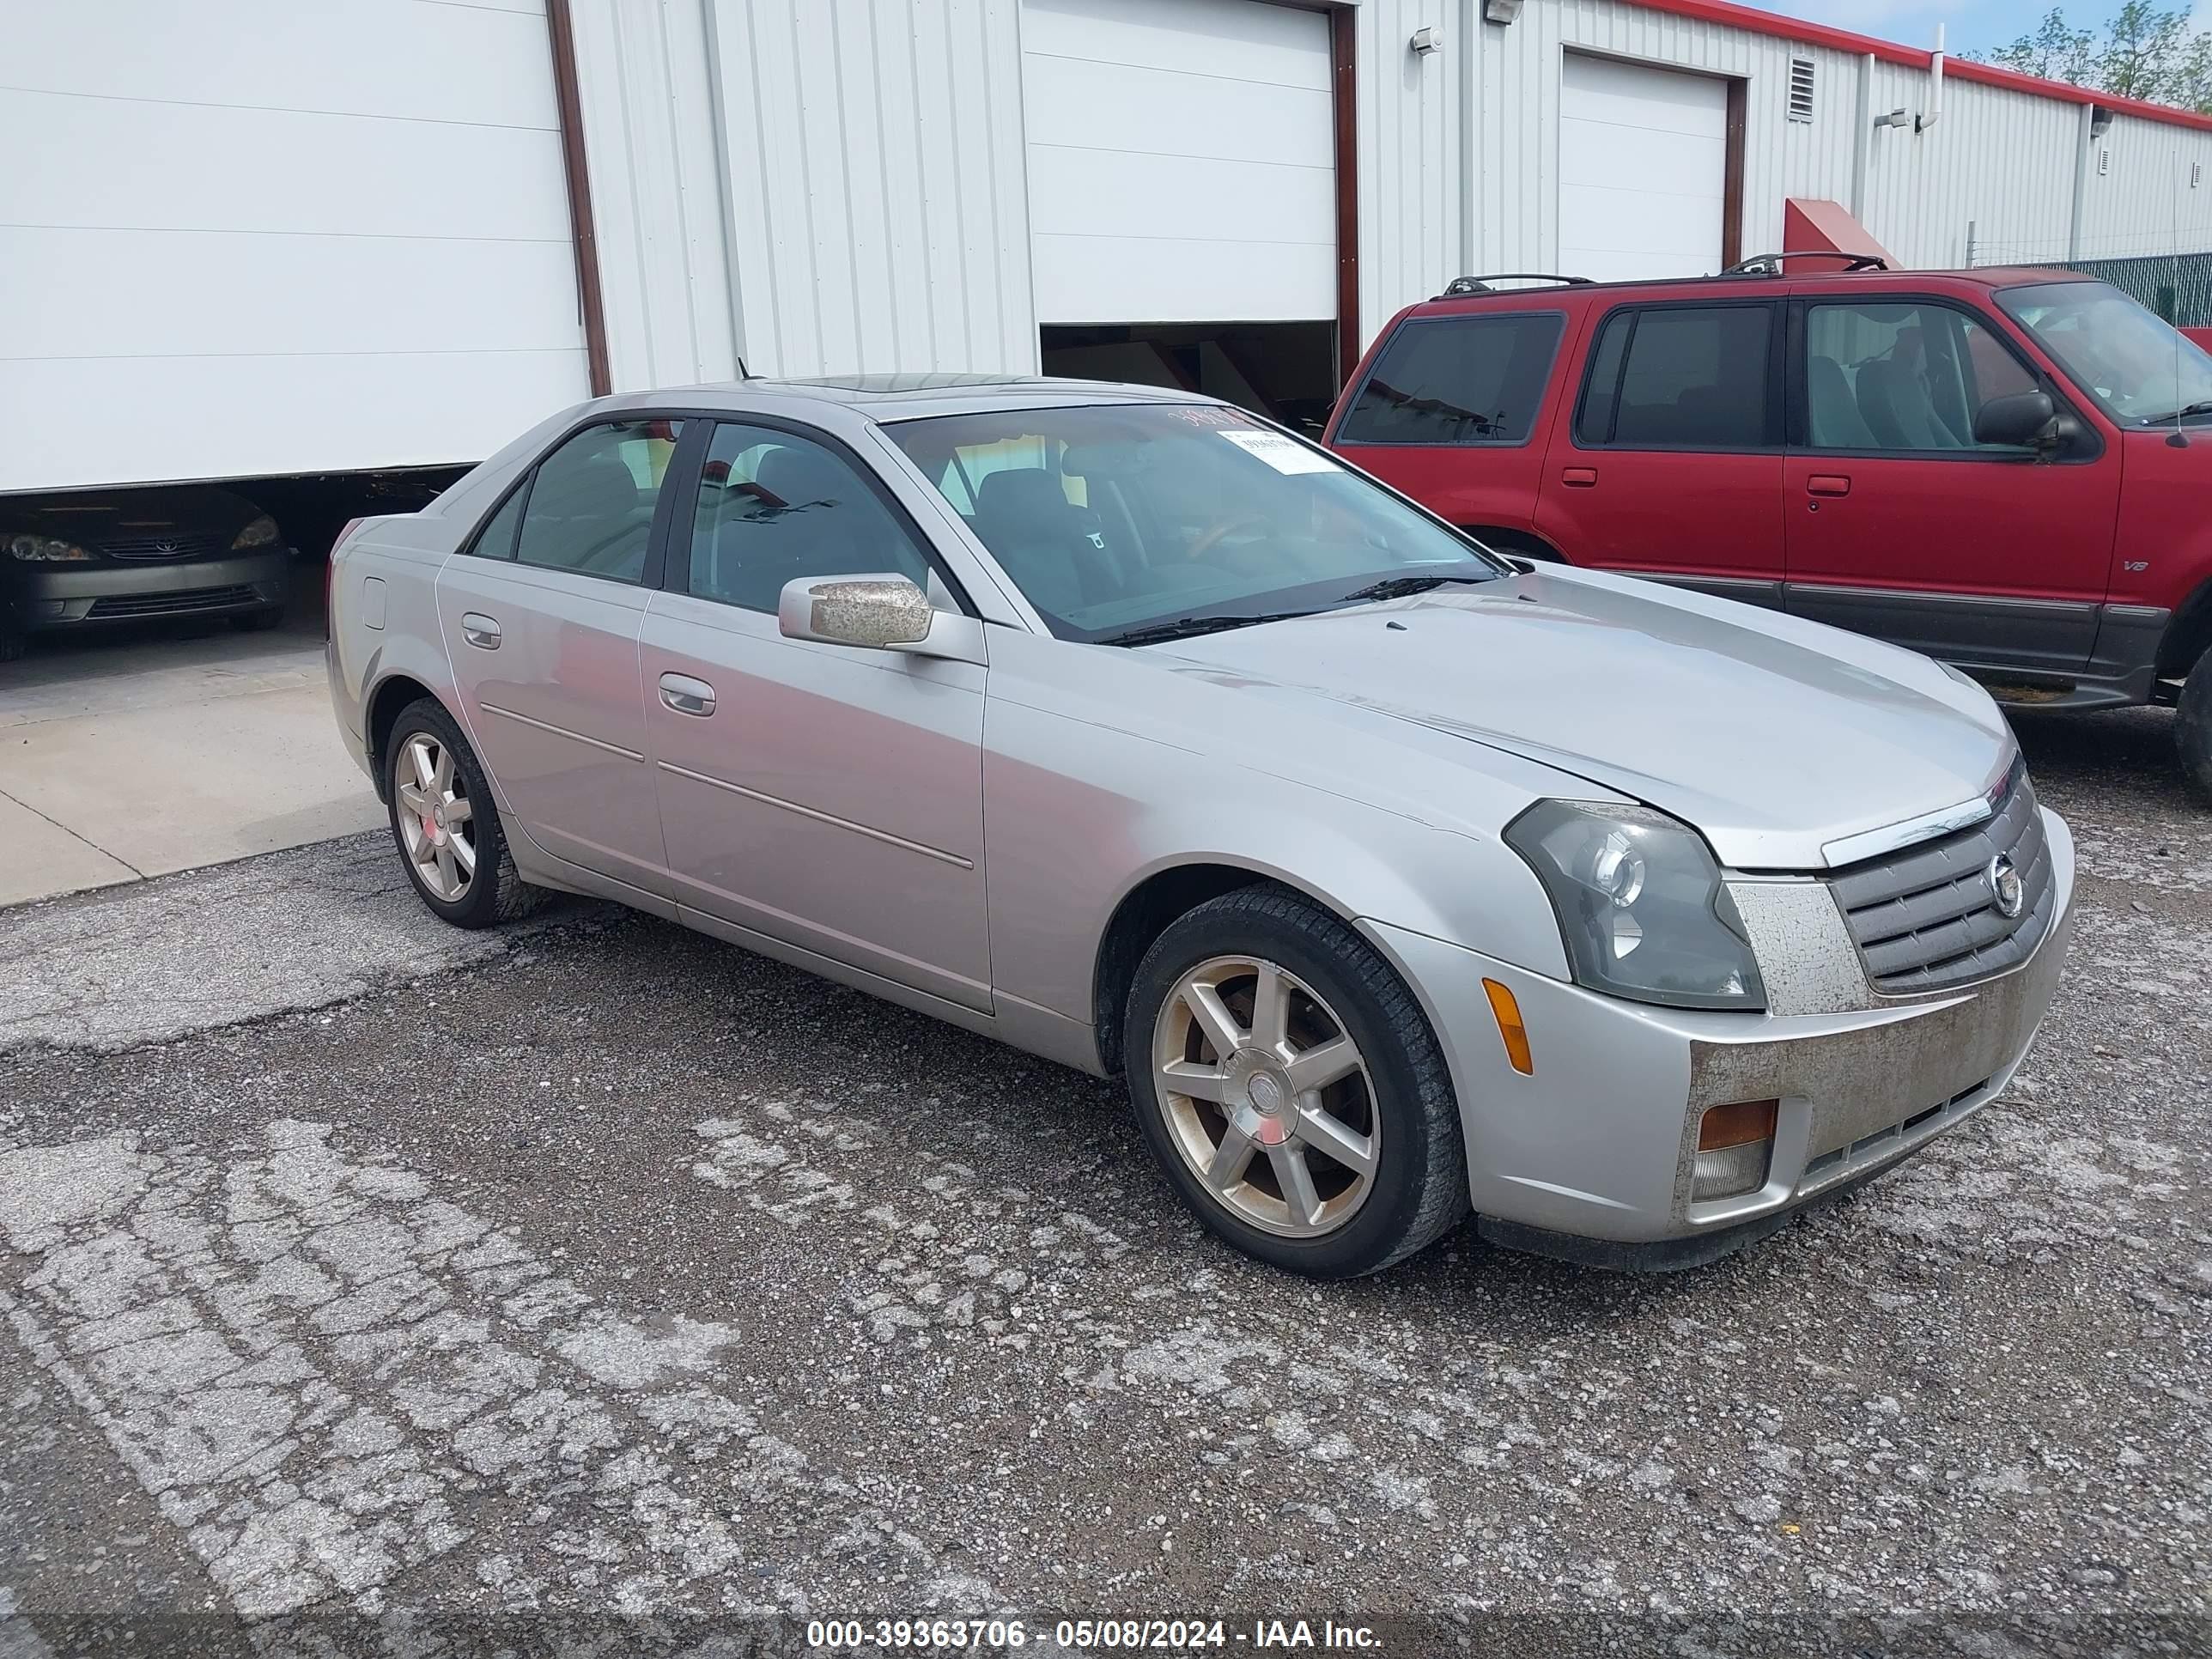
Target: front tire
column 258, row 621
column 445, row 824
column 1290, row 1088
column 2193, row 729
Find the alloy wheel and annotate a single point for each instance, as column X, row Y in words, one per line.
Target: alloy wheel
column 437, row 825
column 1266, row 1096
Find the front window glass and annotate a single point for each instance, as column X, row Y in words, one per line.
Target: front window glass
column 1472, row 380
column 1908, row 377
column 774, row 508
column 2143, row 372
column 1116, row 519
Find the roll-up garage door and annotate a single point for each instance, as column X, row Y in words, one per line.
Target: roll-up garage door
column 1642, row 165
column 1181, row 161
column 251, row 237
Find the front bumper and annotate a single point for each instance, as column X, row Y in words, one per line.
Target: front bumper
column 47, row 596
column 1591, row 1157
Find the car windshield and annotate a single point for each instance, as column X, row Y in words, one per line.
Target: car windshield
column 1122, row 521
column 2141, row 369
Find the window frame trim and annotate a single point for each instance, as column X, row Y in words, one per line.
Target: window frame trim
column 1776, row 431
column 674, row 574
column 1438, row 318
column 2089, row 448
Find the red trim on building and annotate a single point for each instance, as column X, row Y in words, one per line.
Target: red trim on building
column 1750, row 18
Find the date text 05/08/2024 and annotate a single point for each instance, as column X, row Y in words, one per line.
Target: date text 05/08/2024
column 1094, row 1635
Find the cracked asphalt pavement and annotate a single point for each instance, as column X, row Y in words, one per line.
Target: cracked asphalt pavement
column 595, row 1287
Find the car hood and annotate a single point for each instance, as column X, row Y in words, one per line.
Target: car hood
column 1772, row 736
column 91, row 518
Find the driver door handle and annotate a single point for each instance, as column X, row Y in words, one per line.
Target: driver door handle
column 687, row 695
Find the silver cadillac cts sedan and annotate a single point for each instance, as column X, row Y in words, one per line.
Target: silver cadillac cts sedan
column 1399, row 879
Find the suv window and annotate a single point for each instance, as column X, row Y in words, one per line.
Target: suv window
column 590, row 506
column 1905, row 377
column 1476, row 379
column 1681, row 378
column 774, row 507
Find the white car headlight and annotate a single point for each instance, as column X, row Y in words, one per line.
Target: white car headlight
column 1642, row 907
column 45, row 549
column 260, row 533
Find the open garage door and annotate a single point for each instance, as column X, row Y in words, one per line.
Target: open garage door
column 1644, row 172
column 1183, row 193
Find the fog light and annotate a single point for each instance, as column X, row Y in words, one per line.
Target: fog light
column 1735, row 1142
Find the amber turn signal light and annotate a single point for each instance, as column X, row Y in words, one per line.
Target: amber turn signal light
column 1508, row 1011
column 1737, row 1125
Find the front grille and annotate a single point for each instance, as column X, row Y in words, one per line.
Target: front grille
column 164, row 605
column 178, row 546
column 1926, row 918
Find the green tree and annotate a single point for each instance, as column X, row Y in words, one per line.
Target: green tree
column 2143, row 52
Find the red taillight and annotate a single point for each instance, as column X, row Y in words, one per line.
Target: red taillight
column 330, row 567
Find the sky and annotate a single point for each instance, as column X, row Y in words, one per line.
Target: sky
column 1976, row 26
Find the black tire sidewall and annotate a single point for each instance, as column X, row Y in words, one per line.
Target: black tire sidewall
column 1340, row 966
column 478, row 906
column 2193, row 727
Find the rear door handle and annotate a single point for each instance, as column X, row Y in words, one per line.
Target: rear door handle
column 1827, row 483
column 687, row 695
column 480, row 630
column 1579, row 477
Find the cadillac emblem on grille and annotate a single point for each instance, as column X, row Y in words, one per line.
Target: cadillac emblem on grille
column 2005, row 886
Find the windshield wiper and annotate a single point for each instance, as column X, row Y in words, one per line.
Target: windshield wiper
column 1399, row 588
column 1190, row 628
column 2172, row 415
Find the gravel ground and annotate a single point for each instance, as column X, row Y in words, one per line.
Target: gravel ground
column 375, row 1288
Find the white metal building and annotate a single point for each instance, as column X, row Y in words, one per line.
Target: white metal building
column 257, row 238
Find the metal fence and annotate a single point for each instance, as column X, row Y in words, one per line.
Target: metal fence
column 2177, row 286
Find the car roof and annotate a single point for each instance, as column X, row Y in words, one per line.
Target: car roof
column 1546, row 294
column 890, row 397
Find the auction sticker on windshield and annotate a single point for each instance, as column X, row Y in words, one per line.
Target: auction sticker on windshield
column 1284, row 454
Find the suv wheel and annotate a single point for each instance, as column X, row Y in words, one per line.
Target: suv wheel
column 448, row 827
column 1290, row 1088
column 2193, row 727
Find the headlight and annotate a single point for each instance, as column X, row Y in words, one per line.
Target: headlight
column 1641, row 903
column 45, row 549
column 260, row 533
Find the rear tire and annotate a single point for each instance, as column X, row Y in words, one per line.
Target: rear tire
column 446, row 825
column 1332, row 1179
column 2193, row 729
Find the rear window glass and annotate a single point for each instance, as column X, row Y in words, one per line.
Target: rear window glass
column 1683, row 378
column 1456, row 380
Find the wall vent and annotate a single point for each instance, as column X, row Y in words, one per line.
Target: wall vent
column 2104, row 162
column 1801, row 88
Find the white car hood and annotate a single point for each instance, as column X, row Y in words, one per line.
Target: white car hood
column 1772, row 736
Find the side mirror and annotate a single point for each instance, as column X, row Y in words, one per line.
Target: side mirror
column 877, row 612
column 2024, row 420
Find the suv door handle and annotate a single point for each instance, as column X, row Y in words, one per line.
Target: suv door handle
column 480, row 630
column 687, row 695
column 1579, row 477
column 1827, row 483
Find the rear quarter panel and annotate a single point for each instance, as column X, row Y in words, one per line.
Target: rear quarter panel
column 1471, row 485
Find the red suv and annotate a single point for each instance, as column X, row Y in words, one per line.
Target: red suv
column 2008, row 470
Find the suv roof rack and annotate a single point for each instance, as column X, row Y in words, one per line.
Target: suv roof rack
column 1770, row 264
column 1460, row 286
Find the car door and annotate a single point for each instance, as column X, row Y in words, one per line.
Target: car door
column 540, row 615
column 1670, row 463
column 1903, row 526
column 822, row 795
